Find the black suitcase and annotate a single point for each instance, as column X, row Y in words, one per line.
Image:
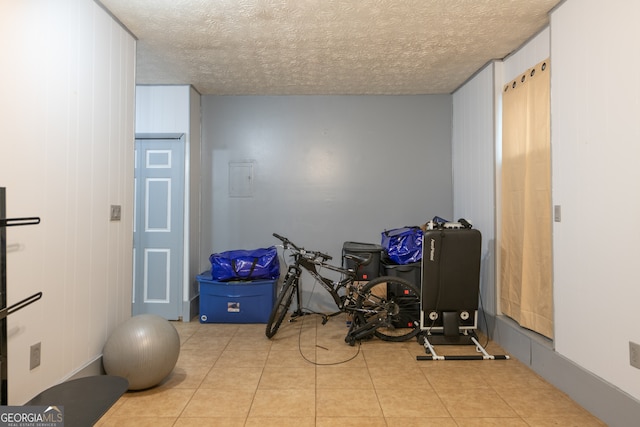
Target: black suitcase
column 450, row 280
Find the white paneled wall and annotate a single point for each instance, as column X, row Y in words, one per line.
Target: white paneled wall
column 595, row 135
column 66, row 113
column 534, row 51
column 473, row 144
column 162, row 109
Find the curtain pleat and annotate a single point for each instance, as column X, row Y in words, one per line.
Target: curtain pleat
column 526, row 293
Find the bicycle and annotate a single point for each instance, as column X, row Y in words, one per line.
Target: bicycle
column 387, row 307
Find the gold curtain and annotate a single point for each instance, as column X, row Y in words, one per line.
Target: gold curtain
column 526, row 293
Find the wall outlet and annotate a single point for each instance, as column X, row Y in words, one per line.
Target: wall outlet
column 115, row 212
column 34, row 356
column 557, row 213
column 634, row 354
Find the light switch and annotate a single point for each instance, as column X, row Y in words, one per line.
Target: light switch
column 557, row 213
column 115, row 212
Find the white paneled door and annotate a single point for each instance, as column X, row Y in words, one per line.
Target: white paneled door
column 159, row 225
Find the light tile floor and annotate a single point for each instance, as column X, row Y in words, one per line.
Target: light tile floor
column 232, row 375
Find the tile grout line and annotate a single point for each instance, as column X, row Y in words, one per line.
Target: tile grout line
column 255, row 392
column 199, row 384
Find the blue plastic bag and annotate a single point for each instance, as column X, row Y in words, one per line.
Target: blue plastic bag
column 403, row 245
column 256, row 264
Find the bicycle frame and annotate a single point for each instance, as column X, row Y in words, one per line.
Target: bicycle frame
column 333, row 287
column 380, row 307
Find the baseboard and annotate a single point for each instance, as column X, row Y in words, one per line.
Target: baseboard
column 602, row 399
column 191, row 309
column 92, row 368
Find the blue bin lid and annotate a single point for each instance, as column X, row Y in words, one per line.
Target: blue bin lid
column 206, row 277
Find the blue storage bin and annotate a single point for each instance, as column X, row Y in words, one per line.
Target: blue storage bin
column 235, row 302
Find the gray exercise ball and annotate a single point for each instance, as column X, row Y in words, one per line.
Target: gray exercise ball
column 143, row 349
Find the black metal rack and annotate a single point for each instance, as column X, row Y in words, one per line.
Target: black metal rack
column 5, row 311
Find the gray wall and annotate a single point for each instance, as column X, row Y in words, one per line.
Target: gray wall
column 327, row 169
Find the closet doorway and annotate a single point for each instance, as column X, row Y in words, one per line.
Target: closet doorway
column 158, row 233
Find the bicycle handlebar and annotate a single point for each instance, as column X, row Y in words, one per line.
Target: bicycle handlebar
column 302, row 251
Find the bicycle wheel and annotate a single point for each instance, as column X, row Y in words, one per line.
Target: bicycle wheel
column 395, row 302
column 280, row 308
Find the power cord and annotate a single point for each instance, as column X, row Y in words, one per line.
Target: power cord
column 324, row 321
column 340, row 362
column 484, row 315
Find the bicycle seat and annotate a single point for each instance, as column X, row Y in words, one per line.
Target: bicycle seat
column 362, row 260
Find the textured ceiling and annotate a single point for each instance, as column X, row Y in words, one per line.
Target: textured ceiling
column 288, row 47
